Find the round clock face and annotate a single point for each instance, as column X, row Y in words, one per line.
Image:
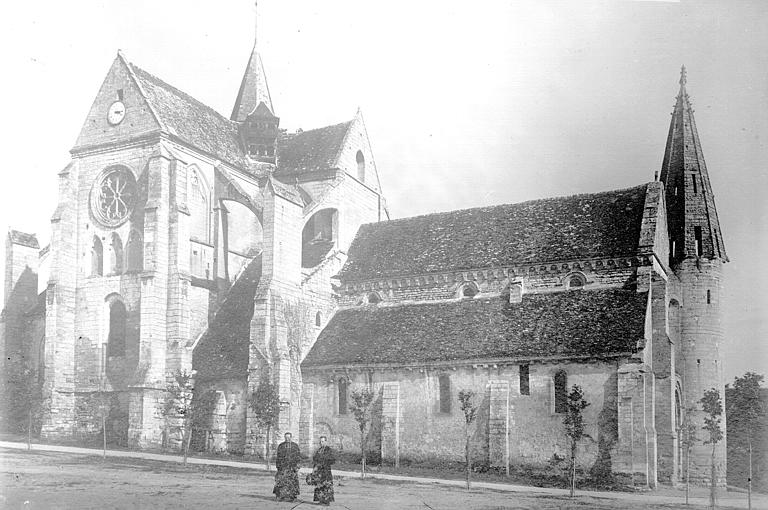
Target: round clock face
column 116, row 113
column 113, row 196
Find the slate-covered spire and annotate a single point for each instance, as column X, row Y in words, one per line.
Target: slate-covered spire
column 694, row 230
column 253, row 89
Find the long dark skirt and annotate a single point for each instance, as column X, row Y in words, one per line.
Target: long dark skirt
column 324, row 488
column 286, row 484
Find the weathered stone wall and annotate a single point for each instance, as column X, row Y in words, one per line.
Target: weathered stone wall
column 422, row 432
column 701, row 341
column 534, row 279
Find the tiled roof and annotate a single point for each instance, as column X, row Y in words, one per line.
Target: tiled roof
column 573, row 323
column 307, row 151
column 223, row 350
column 189, row 119
column 22, row 238
column 565, row 228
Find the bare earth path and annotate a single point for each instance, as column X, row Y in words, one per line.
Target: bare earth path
column 37, row 479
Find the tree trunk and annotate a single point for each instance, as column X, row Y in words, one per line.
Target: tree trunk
column 466, row 455
column 104, row 433
column 713, row 481
column 749, row 478
column 573, row 468
column 362, row 450
column 29, row 431
column 687, row 470
column 266, row 451
column 187, row 441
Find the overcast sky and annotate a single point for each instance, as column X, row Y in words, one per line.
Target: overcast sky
column 466, row 103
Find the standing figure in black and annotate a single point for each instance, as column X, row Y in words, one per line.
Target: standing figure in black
column 287, row 476
column 323, row 477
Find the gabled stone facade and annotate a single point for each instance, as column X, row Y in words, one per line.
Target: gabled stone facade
column 187, row 241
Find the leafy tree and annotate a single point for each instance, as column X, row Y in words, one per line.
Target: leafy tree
column 182, row 402
column 574, row 427
column 745, row 410
column 712, row 405
column 362, row 399
column 469, row 408
column 30, row 399
column 265, row 404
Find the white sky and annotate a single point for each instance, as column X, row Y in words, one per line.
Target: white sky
column 466, row 103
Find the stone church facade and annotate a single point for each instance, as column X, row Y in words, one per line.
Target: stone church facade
column 184, row 240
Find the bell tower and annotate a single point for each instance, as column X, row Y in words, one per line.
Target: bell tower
column 257, row 123
column 697, row 255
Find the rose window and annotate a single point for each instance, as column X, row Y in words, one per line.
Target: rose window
column 113, row 196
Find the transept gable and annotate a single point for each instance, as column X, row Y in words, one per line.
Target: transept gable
column 120, row 111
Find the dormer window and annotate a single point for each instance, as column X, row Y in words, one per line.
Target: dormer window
column 576, row 281
column 468, row 291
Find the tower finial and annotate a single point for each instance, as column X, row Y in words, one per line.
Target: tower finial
column 683, row 76
column 255, row 22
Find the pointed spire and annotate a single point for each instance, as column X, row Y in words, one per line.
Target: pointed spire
column 253, row 88
column 255, row 24
column 694, row 229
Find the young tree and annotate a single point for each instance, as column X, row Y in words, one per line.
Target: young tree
column 29, row 397
column 744, row 409
column 183, row 403
column 688, row 429
column 469, row 408
column 362, row 398
column 265, row 404
column 96, row 405
column 574, row 427
column 712, row 405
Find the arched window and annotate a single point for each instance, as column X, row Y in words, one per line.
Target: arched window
column 576, row 281
column 319, row 237
column 468, row 290
column 343, row 396
column 117, row 320
column 116, row 255
column 318, row 319
column 97, row 257
column 525, row 379
column 134, row 252
column 444, row 382
column 373, row 298
column 561, row 392
column 360, row 166
column 198, row 207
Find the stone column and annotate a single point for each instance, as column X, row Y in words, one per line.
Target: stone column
column 390, row 427
column 498, row 424
column 637, row 442
column 60, row 310
column 307, row 419
column 145, row 423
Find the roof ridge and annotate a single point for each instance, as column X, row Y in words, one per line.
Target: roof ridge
column 179, row 92
column 318, row 128
column 545, row 199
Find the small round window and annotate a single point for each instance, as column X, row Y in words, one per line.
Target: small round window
column 113, row 196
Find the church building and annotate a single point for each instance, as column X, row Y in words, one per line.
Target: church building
column 232, row 249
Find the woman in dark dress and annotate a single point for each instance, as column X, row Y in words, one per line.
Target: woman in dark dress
column 321, row 463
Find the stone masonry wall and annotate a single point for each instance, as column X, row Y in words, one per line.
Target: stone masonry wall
column 535, row 431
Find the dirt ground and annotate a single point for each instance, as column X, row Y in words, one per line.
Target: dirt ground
column 34, row 480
